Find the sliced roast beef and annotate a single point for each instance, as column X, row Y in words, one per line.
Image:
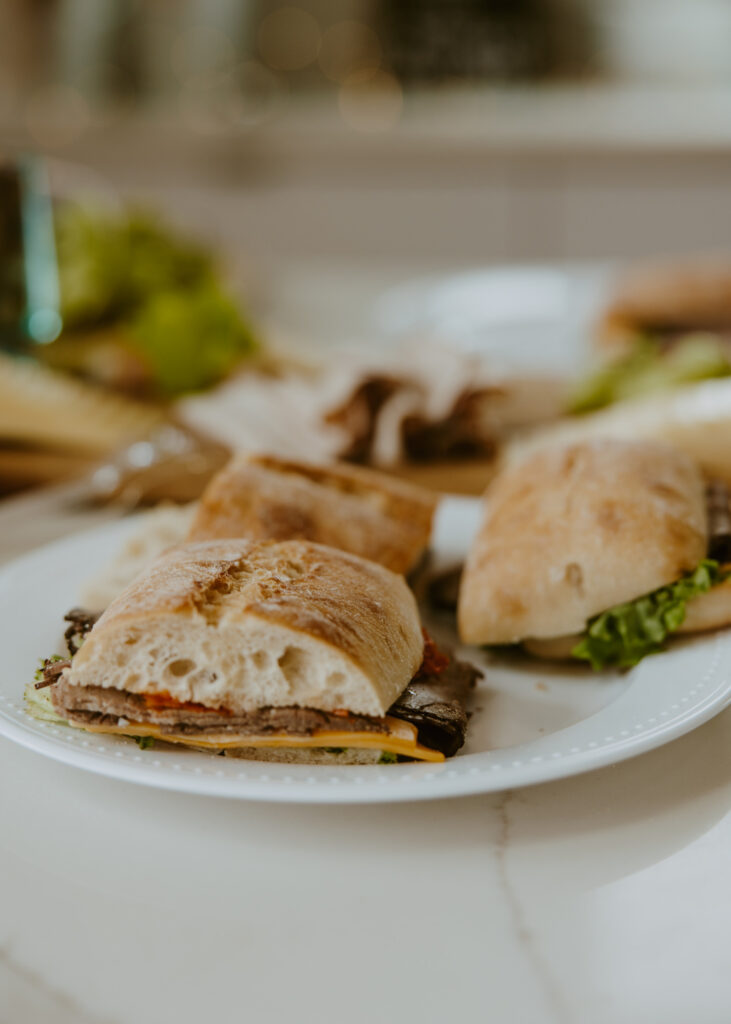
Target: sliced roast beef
column 103, row 706
column 435, row 702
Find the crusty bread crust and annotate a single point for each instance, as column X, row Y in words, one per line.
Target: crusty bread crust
column 367, row 513
column 573, row 531
column 240, row 625
column 696, row 419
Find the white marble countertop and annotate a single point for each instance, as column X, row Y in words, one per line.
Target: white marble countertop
column 602, row 899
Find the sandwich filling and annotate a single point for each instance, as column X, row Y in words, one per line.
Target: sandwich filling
column 428, row 721
column 621, row 636
column 653, row 364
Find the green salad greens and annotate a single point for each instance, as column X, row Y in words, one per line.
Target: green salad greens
column 190, row 339
column 136, row 295
column 39, row 705
column 110, row 264
column 623, row 635
column 646, row 368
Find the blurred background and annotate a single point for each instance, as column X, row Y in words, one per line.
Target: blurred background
column 430, row 132
column 309, row 156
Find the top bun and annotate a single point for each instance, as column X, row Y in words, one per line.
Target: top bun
column 575, row 530
column 358, row 510
column 240, row 625
column 694, row 295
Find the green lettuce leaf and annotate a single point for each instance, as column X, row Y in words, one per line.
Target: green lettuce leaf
column 144, row 742
column 647, row 368
column 134, row 291
column 38, row 705
column 110, row 264
column 190, row 338
column 623, row 635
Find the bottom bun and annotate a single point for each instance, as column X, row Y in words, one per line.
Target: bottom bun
column 711, row 610
column 313, row 755
column 556, row 648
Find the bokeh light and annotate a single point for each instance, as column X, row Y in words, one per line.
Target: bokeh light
column 257, row 95
column 56, row 115
column 371, row 101
column 348, row 47
column 289, row 39
column 8, row 94
column 242, row 97
column 200, row 50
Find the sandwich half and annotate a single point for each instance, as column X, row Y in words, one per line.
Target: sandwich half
column 598, row 551
column 668, row 324
column 276, row 650
column 670, row 300
column 696, row 419
column 263, row 497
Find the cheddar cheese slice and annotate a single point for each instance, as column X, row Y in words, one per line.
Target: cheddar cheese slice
column 400, row 738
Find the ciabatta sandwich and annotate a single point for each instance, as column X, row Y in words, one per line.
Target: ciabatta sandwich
column 263, row 497
column 667, row 325
column 598, row 551
column 696, row 419
column 277, row 650
column 669, row 300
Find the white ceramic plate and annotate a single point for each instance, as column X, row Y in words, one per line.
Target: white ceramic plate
column 531, row 723
column 534, row 318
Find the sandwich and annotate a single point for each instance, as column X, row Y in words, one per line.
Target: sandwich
column 695, row 419
column 668, row 301
column 419, row 410
column 288, row 651
column 667, row 325
column 598, row 551
column 263, row 497
column 442, row 420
